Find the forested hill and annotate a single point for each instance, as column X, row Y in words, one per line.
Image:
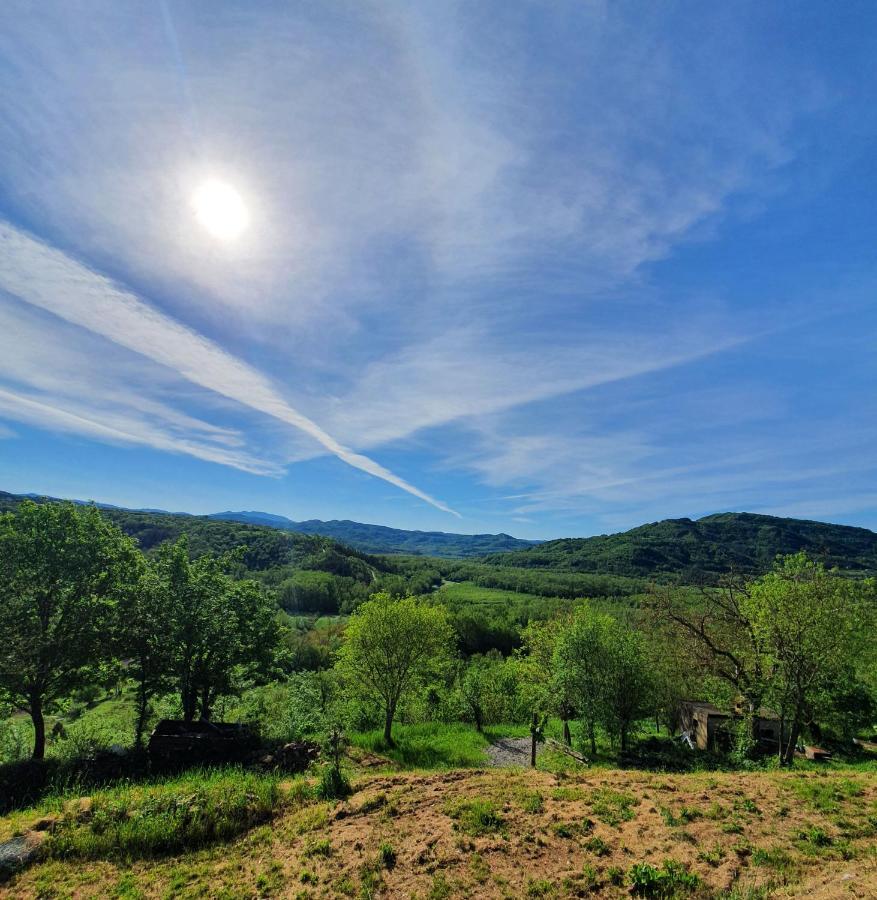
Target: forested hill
column 382, row 539
column 266, row 548
column 715, row 544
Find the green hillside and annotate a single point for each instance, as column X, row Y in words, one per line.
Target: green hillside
column 710, row 546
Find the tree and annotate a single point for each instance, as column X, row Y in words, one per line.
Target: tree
column 145, row 639
column 627, row 684
column 811, row 622
column 393, row 647
column 62, row 571
column 488, row 688
column 580, row 665
column 716, row 628
column 220, row 629
column 546, row 686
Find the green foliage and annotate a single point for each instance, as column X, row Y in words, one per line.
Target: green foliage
column 600, row 665
column 387, row 855
column 540, row 582
column 813, row 625
column 218, row 629
column 296, row 708
column 706, row 548
column 475, row 817
column 428, row 745
column 62, row 570
column 488, row 690
column 613, row 807
column 671, row 880
column 393, row 647
column 333, row 784
column 181, row 814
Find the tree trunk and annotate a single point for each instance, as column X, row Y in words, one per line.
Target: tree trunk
column 142, row 706
column 479, row 721
column 39, row 727
column 623, row 737
column 388, row 724
column 533, row 742
column 206, row 705
column 190, row 704
column 593, row 736
column 793, row 742
column 567, row 737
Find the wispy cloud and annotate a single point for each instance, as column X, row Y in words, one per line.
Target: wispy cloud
column 47, row 278
column 479, row 245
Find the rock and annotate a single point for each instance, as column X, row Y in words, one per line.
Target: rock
column 19, row 852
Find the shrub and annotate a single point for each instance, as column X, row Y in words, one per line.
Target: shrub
column 333, row 784
column 597, row 846
column 387, row 856
column 671, row 880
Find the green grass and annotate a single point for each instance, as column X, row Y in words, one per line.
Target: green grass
column 184, row 813
column 613, row 807
column 433, row 745
column 475, row 817
column 826, row 794
column 468, row 593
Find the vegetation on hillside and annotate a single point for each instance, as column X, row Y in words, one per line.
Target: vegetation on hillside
column 703, row 549
column 381, row 539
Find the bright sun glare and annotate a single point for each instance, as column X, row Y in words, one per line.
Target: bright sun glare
column 220, row 209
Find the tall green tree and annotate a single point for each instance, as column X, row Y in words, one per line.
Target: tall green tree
column 810, row 620
column 717, row 632
column 580, row 666
column 62, row 571
column 393, row 647
column 627, row 682
column 221, row 629
column 144, row 635
column 546, row 684
column 488, row 685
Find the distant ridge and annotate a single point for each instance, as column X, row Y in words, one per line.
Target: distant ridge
column 356, row 535
column 744, row 542
column 693, row 550
column 383, row 539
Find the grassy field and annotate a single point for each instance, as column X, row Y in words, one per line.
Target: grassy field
column 465, row 833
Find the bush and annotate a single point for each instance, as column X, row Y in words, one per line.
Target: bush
column 671, row 880
column 387, row 856
column 333, row 784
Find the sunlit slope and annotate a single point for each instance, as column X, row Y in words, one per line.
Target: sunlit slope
column 715, row 544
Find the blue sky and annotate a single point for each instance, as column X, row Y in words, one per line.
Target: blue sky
column 551, row 269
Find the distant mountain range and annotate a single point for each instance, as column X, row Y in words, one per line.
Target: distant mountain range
column 690, row 549
column 713, row 545
column 382, row 539
column 358, row 535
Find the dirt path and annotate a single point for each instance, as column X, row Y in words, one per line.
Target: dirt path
column 510, row 752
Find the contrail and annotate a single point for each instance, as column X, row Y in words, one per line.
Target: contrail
column 49, row 279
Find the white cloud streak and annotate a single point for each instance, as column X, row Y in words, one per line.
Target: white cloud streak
column 49, row 279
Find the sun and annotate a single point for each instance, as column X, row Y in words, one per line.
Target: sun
column 221, row 210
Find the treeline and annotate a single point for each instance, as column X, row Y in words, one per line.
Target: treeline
column 570, row 586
